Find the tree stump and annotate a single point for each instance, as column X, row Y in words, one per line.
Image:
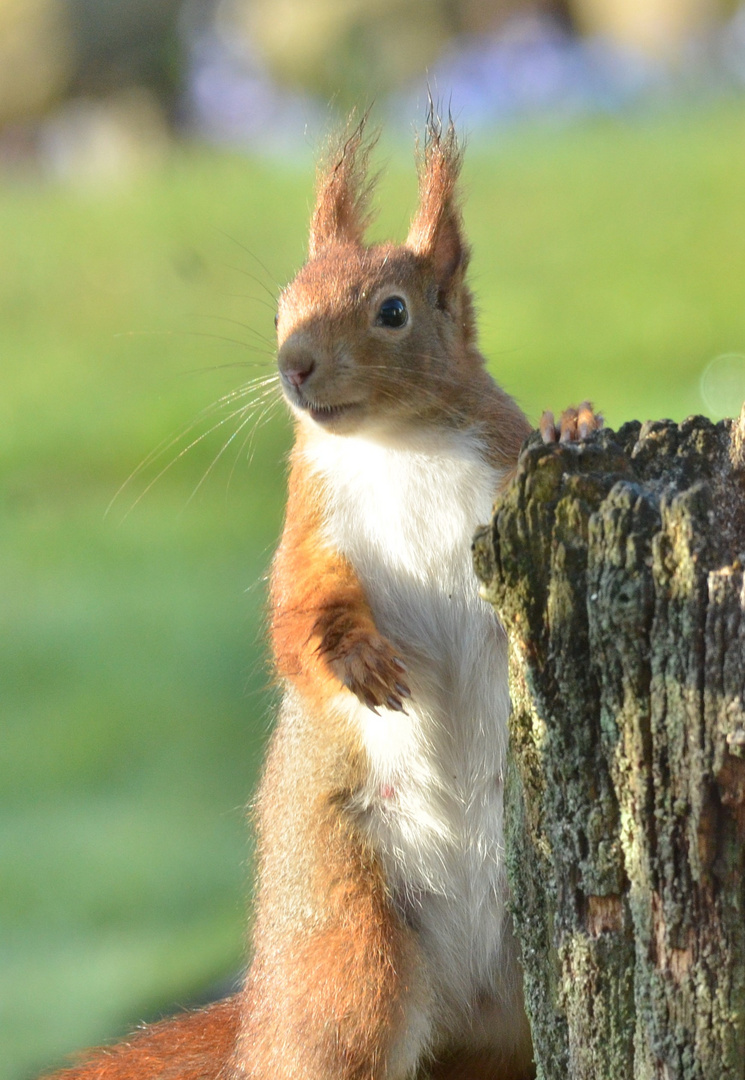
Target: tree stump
column 616, row 566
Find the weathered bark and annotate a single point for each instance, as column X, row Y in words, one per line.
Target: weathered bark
column 616, row 566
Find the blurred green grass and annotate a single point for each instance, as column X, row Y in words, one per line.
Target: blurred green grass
column 609, row 261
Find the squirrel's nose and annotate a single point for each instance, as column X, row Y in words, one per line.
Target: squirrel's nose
column 297, row 361
column 297, row 374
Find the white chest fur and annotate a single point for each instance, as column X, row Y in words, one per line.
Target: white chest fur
column 404, row 517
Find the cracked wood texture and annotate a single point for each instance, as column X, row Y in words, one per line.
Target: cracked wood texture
column 616, row 566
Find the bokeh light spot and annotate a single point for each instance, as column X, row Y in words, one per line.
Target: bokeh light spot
column 723, row 384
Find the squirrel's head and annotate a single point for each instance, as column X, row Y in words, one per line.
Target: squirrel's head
column 376, row 337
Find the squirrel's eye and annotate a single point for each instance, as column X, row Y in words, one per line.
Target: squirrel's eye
column 393, row 313
column 276, row 321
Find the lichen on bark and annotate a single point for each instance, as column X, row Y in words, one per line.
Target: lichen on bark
column 616, row 566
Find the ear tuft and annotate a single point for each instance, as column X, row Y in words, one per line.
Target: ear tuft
column 343, row 189
column 436, row 231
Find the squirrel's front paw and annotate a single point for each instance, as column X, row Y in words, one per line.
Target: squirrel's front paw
column 573, row 425
column 367, row 664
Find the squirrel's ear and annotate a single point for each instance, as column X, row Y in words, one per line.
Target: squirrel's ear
column 343, row 191
column 436, row 232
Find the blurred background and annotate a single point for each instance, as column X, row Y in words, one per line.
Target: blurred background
column 156, row 167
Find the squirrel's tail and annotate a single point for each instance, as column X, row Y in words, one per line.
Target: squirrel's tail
column 193, row 1046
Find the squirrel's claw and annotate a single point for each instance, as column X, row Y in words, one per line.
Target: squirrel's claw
column 547, row 427
column 370, row 668
column 573, row 425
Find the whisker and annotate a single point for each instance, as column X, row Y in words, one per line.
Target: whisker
column 248, row 251
column 258, row 383
column 171, row 463
column 210, row 468
column 262, row 384
column 224, row 367
column 259, row 282
column 400, row 374
column 254, row 299
column 185, row 450
column 244, row 326
column 193, row 333
column 267, row 399
column 231, row 341
column 250, row 439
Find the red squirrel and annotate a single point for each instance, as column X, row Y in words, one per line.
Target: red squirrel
column 382, row 947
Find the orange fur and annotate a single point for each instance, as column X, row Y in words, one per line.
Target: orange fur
column 341, row 213
column 195, row 1046
column 325, row 993
column 322, row 628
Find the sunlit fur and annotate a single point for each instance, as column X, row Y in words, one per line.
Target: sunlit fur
column 193, row 1046
column 431, row 800
column 403, row 440
column 381, row 945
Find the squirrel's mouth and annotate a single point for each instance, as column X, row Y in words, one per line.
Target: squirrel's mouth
column 327, row 414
